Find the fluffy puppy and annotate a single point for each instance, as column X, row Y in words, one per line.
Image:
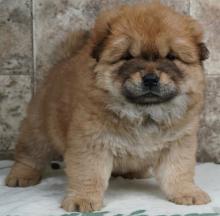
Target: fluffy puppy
column 129, row 100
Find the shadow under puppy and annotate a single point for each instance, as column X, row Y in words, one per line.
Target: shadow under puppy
column 129, row 100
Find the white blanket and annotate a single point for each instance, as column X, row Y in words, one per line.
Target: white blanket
column 124, row 197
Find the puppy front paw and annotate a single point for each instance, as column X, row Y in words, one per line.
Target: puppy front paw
column 22, row 176
column 81, row 204
column 197, row 197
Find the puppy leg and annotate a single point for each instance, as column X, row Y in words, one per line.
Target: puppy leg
column 32, row 152
column 175, row 172
column 88, row 173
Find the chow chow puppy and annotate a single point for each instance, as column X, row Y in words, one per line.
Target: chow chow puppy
column 128, row 100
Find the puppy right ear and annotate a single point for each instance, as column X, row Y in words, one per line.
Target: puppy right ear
column 101, row 32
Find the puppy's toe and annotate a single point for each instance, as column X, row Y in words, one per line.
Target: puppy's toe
column 72, row 203
column 19, row 181
column 195, row 198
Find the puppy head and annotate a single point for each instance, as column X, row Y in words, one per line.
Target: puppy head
column 148, row 54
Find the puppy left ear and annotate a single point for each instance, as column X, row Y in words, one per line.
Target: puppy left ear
column 101, row 32
column 99, row 42
column 203, row 51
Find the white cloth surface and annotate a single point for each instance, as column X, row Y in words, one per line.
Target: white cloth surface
column 122, row 197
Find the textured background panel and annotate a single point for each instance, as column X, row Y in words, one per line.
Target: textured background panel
column 208, row 14
column 15, row 37
column 15, row 92
column 210, row 128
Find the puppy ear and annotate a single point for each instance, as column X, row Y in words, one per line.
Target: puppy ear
column 101, row 32
column 197, row 33
column 203, row 52
column 99, row 43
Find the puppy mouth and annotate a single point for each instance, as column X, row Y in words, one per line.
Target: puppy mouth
column 150, row 96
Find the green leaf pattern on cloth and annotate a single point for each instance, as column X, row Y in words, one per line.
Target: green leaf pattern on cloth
column 136, row 213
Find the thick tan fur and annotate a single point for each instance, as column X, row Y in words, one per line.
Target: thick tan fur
column 80, row 112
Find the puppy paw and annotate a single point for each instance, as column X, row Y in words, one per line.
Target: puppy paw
column 198, row 197
column 22, row 176
column 74, row 203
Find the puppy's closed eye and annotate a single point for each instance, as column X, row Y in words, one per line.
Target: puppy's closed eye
column 171, row 56
column 127, row 56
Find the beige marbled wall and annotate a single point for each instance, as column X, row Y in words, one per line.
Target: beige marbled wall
column 31, row 29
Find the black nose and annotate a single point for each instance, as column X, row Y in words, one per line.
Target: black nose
column 150, row 80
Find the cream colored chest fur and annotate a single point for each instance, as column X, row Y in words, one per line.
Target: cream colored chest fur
column 139, row 148
column 141, row 141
